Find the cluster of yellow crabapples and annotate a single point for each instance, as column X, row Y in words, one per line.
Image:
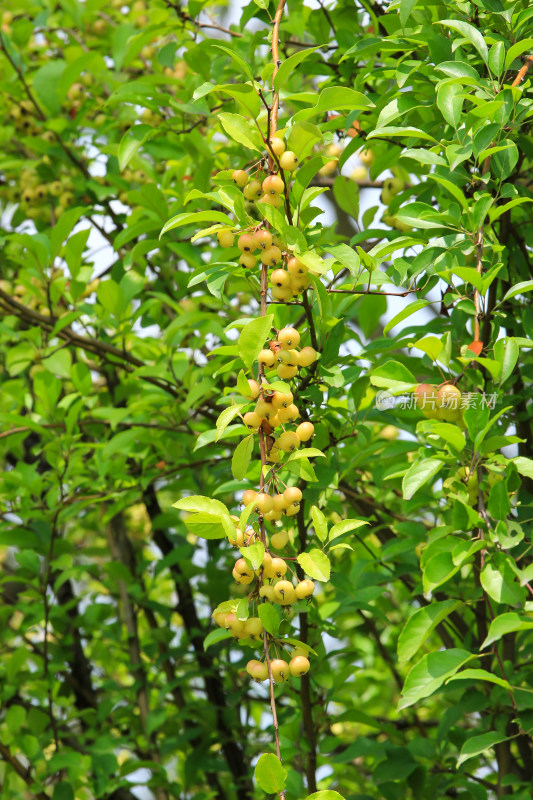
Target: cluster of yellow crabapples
column 275, row 409
column 273, row 587
column 292, row 278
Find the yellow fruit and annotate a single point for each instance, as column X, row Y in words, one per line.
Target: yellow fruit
column 299, row 666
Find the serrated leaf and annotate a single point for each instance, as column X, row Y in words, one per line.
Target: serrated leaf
column 270, row 617
column 218, row 635
column 227, row 416
column 344, row 526
column 253, row 337
column 479, row 744
column 429, row 674
column 270, row 774
column 241, row 457
column 254, row 554
column 319, row 523
column 506, row 623
column 315, row 564
column 418, row 474
column 420, row 625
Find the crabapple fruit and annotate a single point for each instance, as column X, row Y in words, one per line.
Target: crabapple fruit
column 288, row 338
column 448, row 403
column 288, row 441
column 247, row 243
column 299, row 666
column 304, row 589
column 307, row 356
column 271, row 256
column 285, row 372
column 273, row 184
column 267, row 358
column 254, row 388
column 282, row 400
column 279, row 540
column 280, row 670
column 288, row 161
column 263, row 239
column 248, row 497
column 280, row 277
column 268, row 592
column 277, row 145
column 253, row 628
column 252, row 420
column 240, row 177
column 253, row 191
column 284, row 593
column 304, row 431
column 225, row 238
column 263, row 503
column 248, row 260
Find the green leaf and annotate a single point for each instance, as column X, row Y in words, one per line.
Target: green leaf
column 346, row 194
column 479, row 675
column 344, row 526
column 199, row 503
column 253, row 337
column 209, row 526
column 227, row 416
column 394, row 376
column 429, row 674
column 451, row 434
column 270, row 617
column 193, row 218
column 241, row 457
column 241, row 63
column 130, row 143
column 412, row 308
column 450, row 102
column 391, row 131
column 518, row 288
column 418, row 474
column 240, row 130
column 479, row 744
column 524, row 466
column 216, row 636
column 270, row 774
column 506, row 623
column 500, row 581
column 516, row 50
column 63, row 791
column 470, row 33
column 420, row 625
column 338, row 98
column 315, row 564
column 325, row 794
column 424, row 157
column 288, row 66
column 406, row 6
column 319, row 523
column 254, row 554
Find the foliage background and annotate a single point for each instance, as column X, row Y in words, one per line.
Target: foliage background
column 110, row 399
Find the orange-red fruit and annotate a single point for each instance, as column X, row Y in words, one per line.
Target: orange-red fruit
column 425, row 399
